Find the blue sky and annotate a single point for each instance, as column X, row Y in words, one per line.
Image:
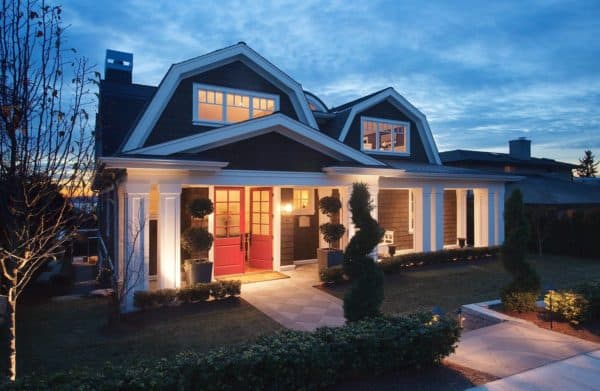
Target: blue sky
column 483, row 72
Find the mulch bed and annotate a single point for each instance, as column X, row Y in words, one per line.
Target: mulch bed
column 588, row 330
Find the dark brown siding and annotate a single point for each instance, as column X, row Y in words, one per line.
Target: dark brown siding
column 270, row 151
column 306, row 240
column 393, row 216
column 187, row 195
column 388, row 111
column 449, row 216
column 287, row 230
column 176, row 119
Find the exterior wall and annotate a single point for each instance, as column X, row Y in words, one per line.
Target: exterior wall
column 393, row 216
column 449, row 217
column 283, row 154
column 287, row 230
column 388, row 111
column 176, row 120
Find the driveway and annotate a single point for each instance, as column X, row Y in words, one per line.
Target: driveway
column 294, row 302
column 579, row 373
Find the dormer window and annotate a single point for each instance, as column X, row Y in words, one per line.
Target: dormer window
column 218, row 105
column 385, row 136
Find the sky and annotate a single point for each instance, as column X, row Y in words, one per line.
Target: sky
column 482, row 72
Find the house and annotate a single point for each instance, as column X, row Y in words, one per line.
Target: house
column 231, row 126
column 546, row 181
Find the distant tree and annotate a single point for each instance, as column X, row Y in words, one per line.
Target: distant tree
column 45, row 145
column 366, row 293
column 522, row 292
column 587, row 167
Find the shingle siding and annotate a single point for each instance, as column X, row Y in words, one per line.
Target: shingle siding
column 393, row 216
column 449, row 217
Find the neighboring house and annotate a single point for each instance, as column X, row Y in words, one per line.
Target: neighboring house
column 231, row 126
column 546, row 182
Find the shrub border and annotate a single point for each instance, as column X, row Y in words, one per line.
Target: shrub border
column 217, row 290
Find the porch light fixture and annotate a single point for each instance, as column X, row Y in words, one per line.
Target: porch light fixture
column 287, row 208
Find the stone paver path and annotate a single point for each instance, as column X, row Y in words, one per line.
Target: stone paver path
column 512, row 347
column 579, row 373
column 294, row 302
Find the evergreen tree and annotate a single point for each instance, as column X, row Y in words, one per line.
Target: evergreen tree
column 522, row 292
column 366, row 293
column 587, row 167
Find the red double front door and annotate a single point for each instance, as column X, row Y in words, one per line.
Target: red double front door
column 261, row 228
column 230, row 227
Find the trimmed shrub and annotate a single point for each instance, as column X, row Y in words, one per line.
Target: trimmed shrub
column 366, row 293
column 196, row 239
column 399, row 262
column 200, row 292
column 522, row 292
column 573, row 307
column 287, row 360
column 333, row 274
column 332, row 232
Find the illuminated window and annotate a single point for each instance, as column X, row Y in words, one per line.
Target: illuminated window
column 411, row 211
column 224, row 106
column 303, row 201
column 381, row 135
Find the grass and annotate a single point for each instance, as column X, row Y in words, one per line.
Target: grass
column 59, row 335
column 451, row 286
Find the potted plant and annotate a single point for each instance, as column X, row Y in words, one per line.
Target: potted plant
column 196, row 241
column 332, row 232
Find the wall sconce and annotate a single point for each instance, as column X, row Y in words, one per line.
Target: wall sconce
column 287, row 208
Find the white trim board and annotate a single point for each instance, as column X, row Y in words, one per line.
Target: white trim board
column 408, row 109
column 277, row 122
column 182, row 70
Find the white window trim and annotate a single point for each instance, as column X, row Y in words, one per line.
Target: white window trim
column 376, row 151
column 411, row 211
column 225, row 90
column 310, row 209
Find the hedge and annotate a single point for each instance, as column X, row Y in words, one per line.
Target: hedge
column 200, row 292
column 285, row 360
column 575, row 305
column 398, row 262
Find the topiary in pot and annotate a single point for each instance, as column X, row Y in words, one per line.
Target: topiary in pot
column 196, row 240
column 332, row 232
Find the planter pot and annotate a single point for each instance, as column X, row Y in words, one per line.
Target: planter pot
column 462, row 242
column 199, row 272
column 329, row 257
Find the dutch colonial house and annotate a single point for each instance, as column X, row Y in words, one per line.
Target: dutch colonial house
column 231, row 126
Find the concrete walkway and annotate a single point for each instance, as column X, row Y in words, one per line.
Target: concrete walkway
column 578, row 373
column 511, row 347
column 294, row 302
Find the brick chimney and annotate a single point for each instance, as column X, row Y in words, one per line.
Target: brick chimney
column 118, row 66
column 520, row 148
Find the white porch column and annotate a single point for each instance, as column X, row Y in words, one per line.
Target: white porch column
column 169, row 231
column 322, row 192
column 276, row 228
column 136, row 255
column 422, row 216
column 374, row 191
column 499, row 215
column 346, row 218
column 211, row 229
column 491, row 203
column 437, row 218
column 461, row 213
column 481, row 208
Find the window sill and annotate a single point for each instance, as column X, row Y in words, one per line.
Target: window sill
column 209, row 123
column 372, row 152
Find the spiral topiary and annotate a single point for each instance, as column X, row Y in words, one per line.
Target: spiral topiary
column 366, row 293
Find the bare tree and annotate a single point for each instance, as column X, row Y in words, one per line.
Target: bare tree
column 45, row 144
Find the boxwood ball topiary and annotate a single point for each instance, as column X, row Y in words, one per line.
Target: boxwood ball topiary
column 200, row 207
column 330, row 205
column 196, row 239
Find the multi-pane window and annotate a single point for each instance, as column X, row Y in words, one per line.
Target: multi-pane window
column 303, row 201
column 380, row 135
column 223, row 106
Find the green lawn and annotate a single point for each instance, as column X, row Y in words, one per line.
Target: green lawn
column 450, row 286
column 61, row 335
